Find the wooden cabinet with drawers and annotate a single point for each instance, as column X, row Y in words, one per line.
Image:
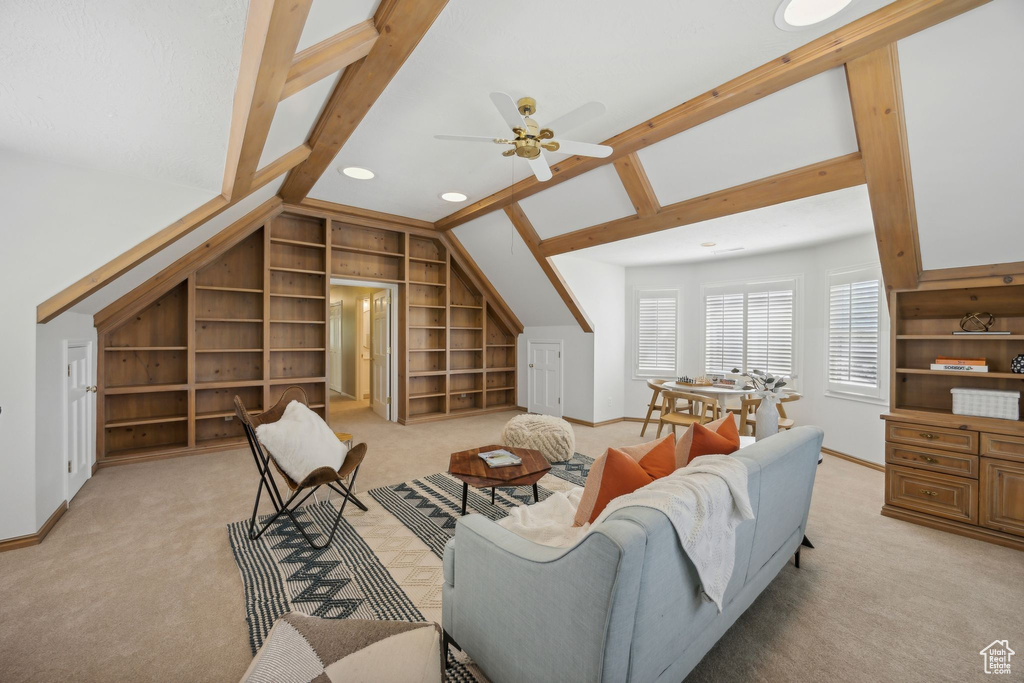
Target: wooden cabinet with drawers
column 955, row 473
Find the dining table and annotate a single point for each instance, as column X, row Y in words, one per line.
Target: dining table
column 718, row 392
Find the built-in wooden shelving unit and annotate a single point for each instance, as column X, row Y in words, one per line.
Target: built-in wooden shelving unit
column 251, row 319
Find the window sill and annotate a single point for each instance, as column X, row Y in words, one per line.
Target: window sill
column 859, row 398
column 661, row 375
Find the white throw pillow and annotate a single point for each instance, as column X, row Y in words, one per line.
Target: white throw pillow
column 301, row 441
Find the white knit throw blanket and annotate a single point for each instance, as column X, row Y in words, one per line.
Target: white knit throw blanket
column 705, row 501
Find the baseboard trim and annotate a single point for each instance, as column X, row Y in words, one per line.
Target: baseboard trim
column 857, row 461
column 37, row 537
column 593, row 424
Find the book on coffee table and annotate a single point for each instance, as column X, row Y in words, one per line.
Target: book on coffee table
column 501, row 458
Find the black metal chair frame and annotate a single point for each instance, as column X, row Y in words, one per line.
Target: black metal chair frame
column 289, row 507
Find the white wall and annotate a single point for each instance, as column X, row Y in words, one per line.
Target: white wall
column 51, row 462
column 59, row 223
column 577, row 367
column 851, row 426
column 600, row 290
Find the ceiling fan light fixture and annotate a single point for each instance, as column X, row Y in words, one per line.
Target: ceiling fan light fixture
column 796, row 15
column 453, row 197
column 358, row 173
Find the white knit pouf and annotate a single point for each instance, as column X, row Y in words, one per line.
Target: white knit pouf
column 552, row 436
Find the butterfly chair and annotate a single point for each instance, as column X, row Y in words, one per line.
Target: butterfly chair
column 340, row 480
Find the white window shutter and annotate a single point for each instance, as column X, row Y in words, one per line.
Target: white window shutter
column 770, row 331
column 656, row 333
column 723, row 332
column 854, row 334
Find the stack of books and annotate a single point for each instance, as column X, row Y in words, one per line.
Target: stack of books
column 501, row 458
column 960, row 364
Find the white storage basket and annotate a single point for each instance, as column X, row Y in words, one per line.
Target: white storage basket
column 986, row 403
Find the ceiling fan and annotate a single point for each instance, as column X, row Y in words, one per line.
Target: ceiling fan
column 529, row 138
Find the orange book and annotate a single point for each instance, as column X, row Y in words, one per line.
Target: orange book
column 957, row 360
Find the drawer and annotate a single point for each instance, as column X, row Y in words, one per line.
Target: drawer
column 957, row 440
column 936, row 494
column 1005, row 447
column 960, row 464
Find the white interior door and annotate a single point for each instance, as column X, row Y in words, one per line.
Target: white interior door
column 363, row 385
column 80, row 418
column 544, row 379
column 335, row 342
column 380, row 361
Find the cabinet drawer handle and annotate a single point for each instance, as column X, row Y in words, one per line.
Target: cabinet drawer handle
column 929, row 493
column 926, row 435
column 927, row 459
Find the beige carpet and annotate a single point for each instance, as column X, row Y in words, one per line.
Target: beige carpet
column 137, row 582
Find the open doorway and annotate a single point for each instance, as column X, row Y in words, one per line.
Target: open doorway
column 361, row 366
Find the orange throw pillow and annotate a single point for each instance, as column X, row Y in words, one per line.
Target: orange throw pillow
column 622, row 471
column 723, row 441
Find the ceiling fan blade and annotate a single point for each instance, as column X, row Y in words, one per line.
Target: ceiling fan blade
column 465, row 138
column 540, row 168
column 577, row 117
column 583, row 149
column 508, row 109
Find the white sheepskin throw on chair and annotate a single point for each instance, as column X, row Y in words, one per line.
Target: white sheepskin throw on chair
column 552, row 436
column 301, row 442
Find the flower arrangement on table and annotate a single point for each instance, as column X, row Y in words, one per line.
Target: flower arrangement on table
column 765, row 384
column 767, row 387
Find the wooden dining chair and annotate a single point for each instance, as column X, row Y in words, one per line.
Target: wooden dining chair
column 698, row 409
column 656, row 386
column 748, row 412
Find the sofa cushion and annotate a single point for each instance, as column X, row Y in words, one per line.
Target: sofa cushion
column 720, row 437
column 617, row 473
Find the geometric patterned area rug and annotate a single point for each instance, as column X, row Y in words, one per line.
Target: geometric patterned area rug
column 383, row 564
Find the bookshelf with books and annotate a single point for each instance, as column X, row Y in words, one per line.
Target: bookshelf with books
column 956, row 472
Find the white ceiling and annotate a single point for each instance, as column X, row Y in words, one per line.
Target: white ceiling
column 586, row 200
column 638, row 63
column 492, row 241
column 963, row 111
column 800, row 223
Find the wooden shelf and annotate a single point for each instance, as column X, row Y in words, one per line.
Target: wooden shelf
column 512, row 369
column 219, row 414
column 426, row 350
column 298, row 322
column 145, row 388
column 500, row 346
column 300, row 348
column 460, row 392
column 229, row 384
column 428, row 284
column 366, row 278
column 962, row 337
column 426, row 327
column 146, row 348
column 425, row 306
column 297, row 380
column 372, row 252
column 220, row 441
column 297, row 243
column 418, row 259
column 426, row 395
column 499, row 388
column 958, row 373
column 428, row 373
column 145, row 421
column 478, row 308
column 299, row 296
column 229, row 320
column 244, row 290
column 465, row 371
column 229, row 350
column 477, row 329
column 468, row 349
column 302, row 271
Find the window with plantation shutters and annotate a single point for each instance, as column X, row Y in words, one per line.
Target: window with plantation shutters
column 855, row 332
column 751, row 327
column 656, row 332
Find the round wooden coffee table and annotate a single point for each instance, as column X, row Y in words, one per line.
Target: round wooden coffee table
column 469, row 467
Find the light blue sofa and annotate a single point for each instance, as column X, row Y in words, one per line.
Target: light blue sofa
column 622, row 605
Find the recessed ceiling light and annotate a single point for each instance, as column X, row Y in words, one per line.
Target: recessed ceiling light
column 795, row 15
column 708, row 244
column 453, row 197
column 357, row 173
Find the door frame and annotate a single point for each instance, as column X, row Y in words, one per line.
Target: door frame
column 90, row 354
column 561, row 370
column 393, row 323
column 341, row 333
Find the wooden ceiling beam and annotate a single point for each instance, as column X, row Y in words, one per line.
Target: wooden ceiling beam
column 329, row 57
column 876, row 97
column 272, row 31
column 826, row 176
column 871, row 32
column 526, row 230
column 400, row 24
column 638, row 185
column 113, row 269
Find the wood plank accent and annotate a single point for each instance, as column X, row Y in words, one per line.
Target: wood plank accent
column 107, row 273
column 272, row 31
column 157, row 285
column 638, row 185
column 877, row 100
column 36, row 538
column 358, row 216
column 826, row 176
column 460, row 254
column 529, row 234
column 886, row 25
column 401, row 25
column 329, row 56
